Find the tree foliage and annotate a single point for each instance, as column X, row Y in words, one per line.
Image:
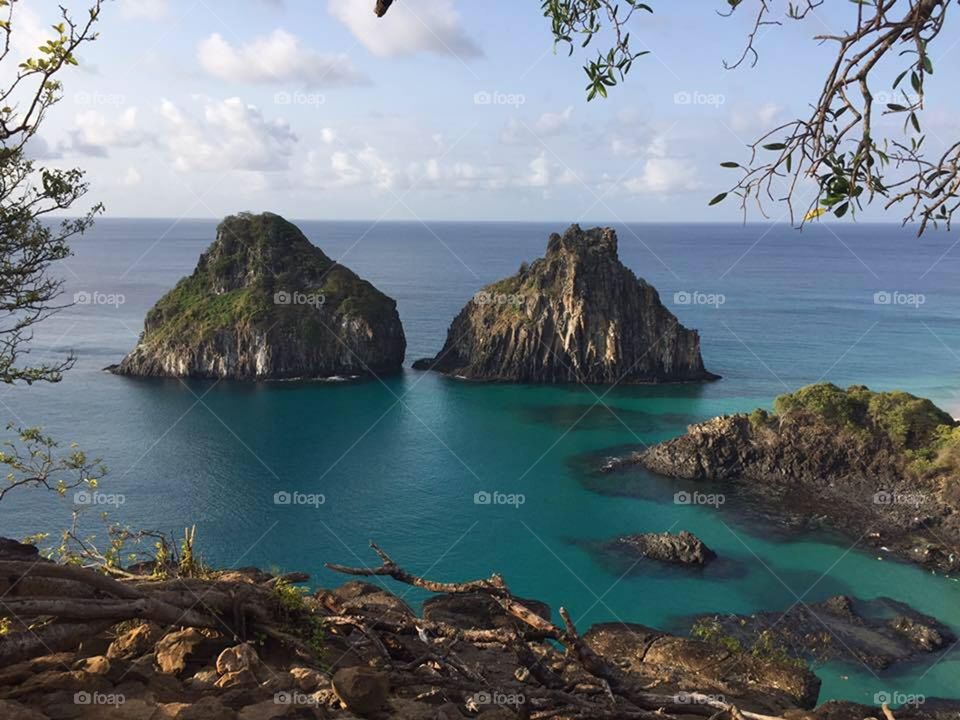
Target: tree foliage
column 30, row 241
column 835, row 159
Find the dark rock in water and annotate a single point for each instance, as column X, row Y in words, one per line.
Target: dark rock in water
column 476, row 610
column 683, row 548
column 838, row 629
column 873, row 466
column 576, row 315
column 264, row 303
column 757, row 684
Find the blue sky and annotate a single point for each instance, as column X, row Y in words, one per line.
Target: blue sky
column 445, row 109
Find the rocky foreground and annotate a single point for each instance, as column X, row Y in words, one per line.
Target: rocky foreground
column 881, row 468
column 575, row 315
column 264, row 303
column 246, row 645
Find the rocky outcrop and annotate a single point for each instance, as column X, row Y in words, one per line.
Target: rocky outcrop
column 575, row 315
column 879, row 467
column 264, row 303
column 683, row 548
column 839, row 628
column 758, row 683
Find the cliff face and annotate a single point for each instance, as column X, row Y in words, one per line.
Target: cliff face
column 265, row 303
column 879, row 467
column 576, row 315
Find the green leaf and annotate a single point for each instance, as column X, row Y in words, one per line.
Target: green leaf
column 775, row 146
column 730, row 164
column 718, row 199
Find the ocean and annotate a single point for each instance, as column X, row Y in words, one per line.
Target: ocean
column 406, row 462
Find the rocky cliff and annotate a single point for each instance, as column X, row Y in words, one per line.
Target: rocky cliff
column 576, row 315
column 265, row 303
column 879, row 467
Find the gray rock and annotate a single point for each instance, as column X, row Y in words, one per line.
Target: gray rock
column 684, row 548
column 576, row 315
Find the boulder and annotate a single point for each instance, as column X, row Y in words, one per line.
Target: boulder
column 361, row 690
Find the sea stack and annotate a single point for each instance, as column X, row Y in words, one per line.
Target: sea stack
column 264, row 303
column 576, row 315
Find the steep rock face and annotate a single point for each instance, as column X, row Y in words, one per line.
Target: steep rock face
column 576, row 315
column 881, row 467
column 265, row 303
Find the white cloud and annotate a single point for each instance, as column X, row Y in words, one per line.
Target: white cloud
column 411, row 27
column 145, row 9
column 96, row 134
column 275, row 58
column 542, row 173
column 756, row 119
column 553, row 123
column 665, row 175
column 131, row 178
column 548, row 124
column 230, row 135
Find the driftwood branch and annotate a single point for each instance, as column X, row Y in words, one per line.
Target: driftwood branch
column 622, row 689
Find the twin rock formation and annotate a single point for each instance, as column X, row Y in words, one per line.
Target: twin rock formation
column 264, row 303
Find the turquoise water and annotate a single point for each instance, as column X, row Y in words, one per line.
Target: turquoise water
column 399, row 462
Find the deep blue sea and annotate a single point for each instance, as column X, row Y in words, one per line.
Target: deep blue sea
column 400, row 461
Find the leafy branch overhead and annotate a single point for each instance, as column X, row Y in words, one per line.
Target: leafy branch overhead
column 836, row 159
column 28, row 193
column 843, row 155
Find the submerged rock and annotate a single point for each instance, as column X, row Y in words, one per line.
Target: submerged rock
column 695, row 666
column 684, row 548
column 264, row 303
column 576, row 315
column 878, row 467
column 838, row 628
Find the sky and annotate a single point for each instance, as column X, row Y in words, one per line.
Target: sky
column 444, row 109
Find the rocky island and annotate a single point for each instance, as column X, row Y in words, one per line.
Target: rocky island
column 575, row 315
column 264, row 303
column 879, row 467
column 683, row 548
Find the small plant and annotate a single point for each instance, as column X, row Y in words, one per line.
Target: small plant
column 298, row 617
column 711, row 631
